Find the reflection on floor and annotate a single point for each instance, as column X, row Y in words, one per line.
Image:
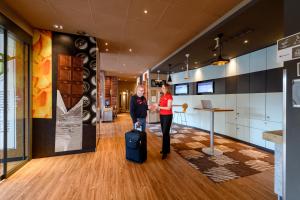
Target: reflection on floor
column 238, row 159
column 10, row 166
column 106, row 174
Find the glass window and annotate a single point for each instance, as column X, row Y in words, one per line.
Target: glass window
column 1, row 100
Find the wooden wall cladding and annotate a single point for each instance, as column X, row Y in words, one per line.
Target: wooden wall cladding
column 70, row 79
column 111, row 89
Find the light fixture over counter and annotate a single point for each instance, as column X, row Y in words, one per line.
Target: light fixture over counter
column 220, row 60
column 187, row 67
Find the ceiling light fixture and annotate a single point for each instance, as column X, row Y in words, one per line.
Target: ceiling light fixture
column 187, row 66
column 145, row 11
column 130, row 50
column 220, row 60
column 169, row 74
column 106, row 50
column 60, row 27
column 106, row 43
column 158, row 81
column 246, row 41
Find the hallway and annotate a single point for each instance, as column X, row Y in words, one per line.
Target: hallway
column 107, row 175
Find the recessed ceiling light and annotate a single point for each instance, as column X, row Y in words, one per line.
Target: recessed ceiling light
column 145, row 11
column 106, row 43
column 215, row 54
column 130, row 50
column 246, row 41
column 106, row 49
column 60, row 27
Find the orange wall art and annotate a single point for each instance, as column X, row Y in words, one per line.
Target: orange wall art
column 42, row 74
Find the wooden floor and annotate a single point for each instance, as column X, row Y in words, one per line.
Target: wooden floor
column 106, row 174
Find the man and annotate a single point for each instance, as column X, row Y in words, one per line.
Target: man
column 138, row 108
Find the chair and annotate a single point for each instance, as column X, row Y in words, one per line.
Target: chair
column 182, row 114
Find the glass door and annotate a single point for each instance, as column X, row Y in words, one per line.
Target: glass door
column 14, row 102
column 1, row 103
column 16, row 130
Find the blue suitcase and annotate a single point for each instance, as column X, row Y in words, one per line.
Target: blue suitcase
column 136, row 146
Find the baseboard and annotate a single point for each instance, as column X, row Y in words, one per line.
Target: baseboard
column 14, row 159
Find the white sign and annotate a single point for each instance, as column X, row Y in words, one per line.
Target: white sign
column 288, row 48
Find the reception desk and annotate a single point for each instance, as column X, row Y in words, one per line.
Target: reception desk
column 277, row 138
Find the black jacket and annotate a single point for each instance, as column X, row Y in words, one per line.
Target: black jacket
column 138, row 107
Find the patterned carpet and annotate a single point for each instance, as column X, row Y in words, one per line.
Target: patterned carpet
column 238, row 159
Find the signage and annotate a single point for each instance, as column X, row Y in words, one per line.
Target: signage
column 288, row 48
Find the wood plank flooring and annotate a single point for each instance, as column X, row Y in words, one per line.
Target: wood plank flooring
column 106, row 174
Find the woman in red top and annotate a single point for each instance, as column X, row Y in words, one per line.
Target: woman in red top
column 166, row 115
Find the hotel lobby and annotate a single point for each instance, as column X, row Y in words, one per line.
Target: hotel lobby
column 215, row 84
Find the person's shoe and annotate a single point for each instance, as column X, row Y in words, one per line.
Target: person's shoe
column 164, row 156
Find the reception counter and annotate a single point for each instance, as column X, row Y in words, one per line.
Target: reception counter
column 277, row 138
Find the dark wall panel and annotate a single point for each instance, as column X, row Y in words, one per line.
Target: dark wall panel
column 243, row 84
column 192, row 88
column 274, row 80
column 220, row 86
column 292, row 114
column 231, row 87
column 258, row 82
column 43, row 137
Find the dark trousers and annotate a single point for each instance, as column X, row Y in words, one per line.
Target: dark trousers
column 165, row 122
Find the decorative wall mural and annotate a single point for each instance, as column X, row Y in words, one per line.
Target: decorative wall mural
column 42, row 74
column 85, row 48
column 70, row 79
column 68, row 126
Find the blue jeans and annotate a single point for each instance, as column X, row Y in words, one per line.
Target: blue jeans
column 142, row 121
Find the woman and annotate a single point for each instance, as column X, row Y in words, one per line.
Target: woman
column 166, row 115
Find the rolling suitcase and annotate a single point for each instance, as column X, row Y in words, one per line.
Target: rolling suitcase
column 136, row 146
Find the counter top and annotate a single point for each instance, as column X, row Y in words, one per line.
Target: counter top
column 215, row 109
column 273, row 136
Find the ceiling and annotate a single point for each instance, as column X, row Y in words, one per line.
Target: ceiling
column 260, row 22
column 124, row 25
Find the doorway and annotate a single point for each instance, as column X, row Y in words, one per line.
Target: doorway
column 14, row 102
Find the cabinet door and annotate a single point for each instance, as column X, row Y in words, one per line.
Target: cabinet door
column 256, row 137
column 258, row 106
column 258, row 60
column 230, row 102
column 272, row 58
column 274, row 108
column 243, row 133
column 231, row 130
column 273, row 126
column 270, row 145
column 243, row 109
column 242, row 64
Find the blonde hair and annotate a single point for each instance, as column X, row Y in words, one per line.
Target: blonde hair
column 139, row 86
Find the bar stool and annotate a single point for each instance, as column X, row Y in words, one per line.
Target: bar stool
column 182, row 114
